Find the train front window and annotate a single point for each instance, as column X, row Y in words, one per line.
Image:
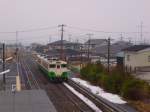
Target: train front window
column 63, row 65
column 52, row 66
column 58, row 66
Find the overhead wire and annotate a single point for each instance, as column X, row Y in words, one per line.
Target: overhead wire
column 101, row 31
column 7, row 32
column 38, row 29
column 81, row 35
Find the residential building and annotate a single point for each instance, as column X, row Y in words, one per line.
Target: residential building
column 114, row 49
column 93, row 43
column 66, row 45
column 137, row 58
column 41, row 49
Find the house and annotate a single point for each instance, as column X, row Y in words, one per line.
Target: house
column 137, row 58
column 41, row 49
column 66, row 45
column 114, row 49
column 93, row 43
column 35, row 45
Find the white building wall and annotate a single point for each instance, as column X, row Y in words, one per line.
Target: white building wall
column 137, row 59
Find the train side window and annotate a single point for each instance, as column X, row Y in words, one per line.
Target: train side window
column 52, row 66
column 63, row 65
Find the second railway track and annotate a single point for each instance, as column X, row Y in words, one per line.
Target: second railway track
column 29, row 78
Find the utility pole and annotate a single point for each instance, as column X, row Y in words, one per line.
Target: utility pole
column 81, row 57
column 108, row 58
column 17, row 57
column 16, row 44
column 4, row 79
column 89, row 45
column 62, row 34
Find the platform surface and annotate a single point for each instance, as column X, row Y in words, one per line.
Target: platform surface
column 25, row 101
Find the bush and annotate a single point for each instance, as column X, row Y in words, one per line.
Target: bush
column 112, row 83
column 135, row 89
column 117, row 81
column 91, row 72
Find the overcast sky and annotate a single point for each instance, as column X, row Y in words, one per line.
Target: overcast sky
column 102, row 15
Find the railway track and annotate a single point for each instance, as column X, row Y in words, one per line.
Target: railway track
column 29, row 79
column 61, row 96
column 63, row 99
column 104, row 105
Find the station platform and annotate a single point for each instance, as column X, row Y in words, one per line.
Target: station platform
column 25, row 101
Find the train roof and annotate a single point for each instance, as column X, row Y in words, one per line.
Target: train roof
column 52, row 60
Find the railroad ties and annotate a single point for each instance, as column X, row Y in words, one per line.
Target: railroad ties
column 29, row 78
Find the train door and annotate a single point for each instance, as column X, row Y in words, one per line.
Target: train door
column 58, row 67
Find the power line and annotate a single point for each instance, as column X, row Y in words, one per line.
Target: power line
column 38, row 29
column 77, row 28
column 7, row 32
column 32, row 30
column 101, row 31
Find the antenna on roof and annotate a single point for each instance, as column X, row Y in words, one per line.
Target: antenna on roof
column 50, row 38
column 121, row 37
column 141, row 32
column 77, row 40
column 69, row 37
column 129, row 39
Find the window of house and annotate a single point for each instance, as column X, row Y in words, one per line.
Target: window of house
column 128, row 57
column 148, row 58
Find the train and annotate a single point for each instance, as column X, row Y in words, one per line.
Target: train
column 53, row 68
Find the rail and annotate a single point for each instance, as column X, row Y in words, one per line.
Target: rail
column 99, row 101
column 31, row 80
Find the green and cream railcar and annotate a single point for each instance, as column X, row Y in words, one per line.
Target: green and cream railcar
column 54, row 69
